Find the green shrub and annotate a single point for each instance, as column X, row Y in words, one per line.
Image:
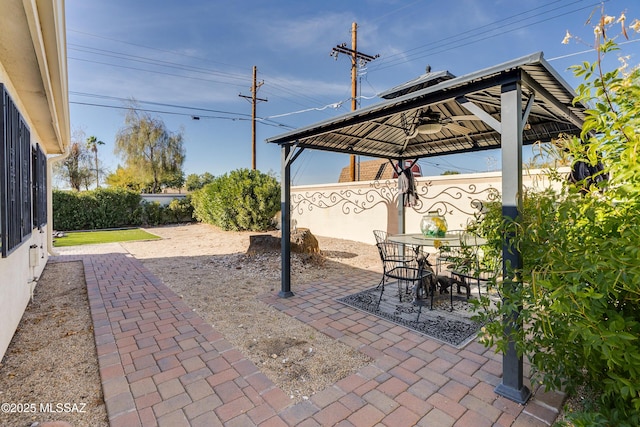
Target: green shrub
column 578, row 293
column 153, row 213
column 180, row 210
column 96, row 209
column 115, row 207
column 240, row 200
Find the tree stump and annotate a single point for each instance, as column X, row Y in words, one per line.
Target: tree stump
column 302, row 241
column 261, row 243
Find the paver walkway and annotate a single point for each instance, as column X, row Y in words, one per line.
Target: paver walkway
column 162, row 365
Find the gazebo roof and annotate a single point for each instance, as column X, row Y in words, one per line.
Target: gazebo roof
column 468, row 106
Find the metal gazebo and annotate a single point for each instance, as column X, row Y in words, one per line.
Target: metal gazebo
column 506, row 106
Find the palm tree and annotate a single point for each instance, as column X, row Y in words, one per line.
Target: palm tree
column 92, row 144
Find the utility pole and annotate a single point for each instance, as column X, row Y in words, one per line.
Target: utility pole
column 355, row 57
column 254, row 100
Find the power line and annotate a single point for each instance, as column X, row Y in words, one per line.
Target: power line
column 272, row 81
column 175, row 113
column 280, row 88
column 455, row 41
column 162, row 104
column 151, row 61
column 151, row 71
column 472, row 30
column 582, row 52
column 150, row 48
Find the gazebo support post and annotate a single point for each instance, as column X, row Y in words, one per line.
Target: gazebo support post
column 512, row 386
column 285, row 226
column 401, row 210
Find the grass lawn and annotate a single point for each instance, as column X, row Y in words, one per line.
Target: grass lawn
column 107, row 236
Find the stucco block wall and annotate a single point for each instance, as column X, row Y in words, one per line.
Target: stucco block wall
column 353, row 210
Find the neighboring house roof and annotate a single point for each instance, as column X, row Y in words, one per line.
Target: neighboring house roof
column 373, row 170
column 33, row 54
column 369, row 170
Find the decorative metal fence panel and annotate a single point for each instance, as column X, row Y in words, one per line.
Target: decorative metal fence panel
column 352, row 210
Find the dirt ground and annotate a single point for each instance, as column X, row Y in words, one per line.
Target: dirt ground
column 50, row 370
column 210, row 270
column 52, row 357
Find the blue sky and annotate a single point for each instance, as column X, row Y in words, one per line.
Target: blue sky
column 194, row 58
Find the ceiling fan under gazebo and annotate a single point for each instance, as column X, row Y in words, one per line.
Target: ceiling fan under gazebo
column 429, row 122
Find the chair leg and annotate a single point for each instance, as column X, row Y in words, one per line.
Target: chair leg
column 432, row 289
column 451, row 295
column 381, row 285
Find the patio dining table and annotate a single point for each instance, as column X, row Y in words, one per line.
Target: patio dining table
column 419, row 240
column 453, row 239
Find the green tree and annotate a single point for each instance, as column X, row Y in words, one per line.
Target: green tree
column 125, row 178
column 195, row 182
column 149, row 148
column 92, row 145
column 580, row 282
column 75, row 169
column 173, row 180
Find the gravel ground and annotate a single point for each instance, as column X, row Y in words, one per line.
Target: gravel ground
column 50, row 370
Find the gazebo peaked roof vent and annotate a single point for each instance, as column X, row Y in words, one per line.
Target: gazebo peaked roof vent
column 425, row 80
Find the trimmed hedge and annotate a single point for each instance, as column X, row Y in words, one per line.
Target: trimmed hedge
column 113, row 208
column 96, row 209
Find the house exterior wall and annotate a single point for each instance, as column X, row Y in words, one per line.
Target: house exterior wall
column 17, row 282
column 34, row 76
column 17, row 275
column 353, row 210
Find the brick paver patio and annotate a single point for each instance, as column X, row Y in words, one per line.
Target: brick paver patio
column 162, row 365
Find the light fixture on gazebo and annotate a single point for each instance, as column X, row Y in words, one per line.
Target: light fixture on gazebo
column 429, row 127
column 428, row 123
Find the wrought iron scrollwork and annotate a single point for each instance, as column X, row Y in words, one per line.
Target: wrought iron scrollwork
column 386, row 192
column 349, row 200
column 444, row 202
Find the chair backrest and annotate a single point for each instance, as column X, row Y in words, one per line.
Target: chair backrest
column 446, row 251
column 391, row 252
column 381, row 236
column 398, row 264
column 468, row 238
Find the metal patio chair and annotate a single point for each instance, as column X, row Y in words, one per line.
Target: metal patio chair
column 404, row 268
column 380, row 236
column 468, row 265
